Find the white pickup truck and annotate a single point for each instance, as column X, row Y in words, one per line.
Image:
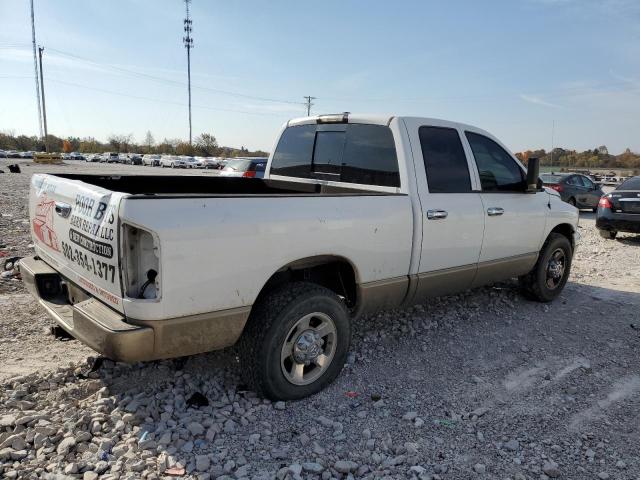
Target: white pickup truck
column 355, row 213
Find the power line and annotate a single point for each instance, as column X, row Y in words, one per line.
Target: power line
column 188, row 43
column 169, row 81
column 156, row 100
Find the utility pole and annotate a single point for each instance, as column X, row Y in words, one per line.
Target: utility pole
column 188, row 44
column 44, row 105
column 35, row 67
column 309, row 104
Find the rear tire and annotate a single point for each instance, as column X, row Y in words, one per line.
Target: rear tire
column 295, row 342
column 550, row 274
column 608, row 234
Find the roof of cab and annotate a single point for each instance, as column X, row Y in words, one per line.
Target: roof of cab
column 376, row 119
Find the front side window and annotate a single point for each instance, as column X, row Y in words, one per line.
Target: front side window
column 444, row 160
column 352, row 153
column 588, row 183
column 498, row 171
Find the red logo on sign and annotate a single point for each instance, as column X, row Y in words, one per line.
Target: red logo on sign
column 43, row 223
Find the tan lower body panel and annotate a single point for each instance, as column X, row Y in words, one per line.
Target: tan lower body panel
column 504, row 268
column 382, row 294
column 196, row 333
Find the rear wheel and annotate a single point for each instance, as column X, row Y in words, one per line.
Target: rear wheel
column 608, row 234
column 551, row 272
column 296, row 341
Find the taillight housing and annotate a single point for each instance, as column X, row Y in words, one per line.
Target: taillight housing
column 557, row 187
column 249, row 174
column 605, row 203
column 141, row 263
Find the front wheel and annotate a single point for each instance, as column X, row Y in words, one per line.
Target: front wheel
column 551, row 272
column 296, row 341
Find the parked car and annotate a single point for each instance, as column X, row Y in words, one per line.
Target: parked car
column 356, row 213
column 12, row 154
column 94, row 157
column 112, row 157
column 151, row 159
column 76, row 156
column 190, row 162
column 133, row 159
column 575, row 189
column 210, row 162
column 3, row 154
column 223, row 163
column 173, row 161
column 619, row 211
column 28, row 154
column 245, row 167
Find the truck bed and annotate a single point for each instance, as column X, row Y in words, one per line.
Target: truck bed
column 197, row 185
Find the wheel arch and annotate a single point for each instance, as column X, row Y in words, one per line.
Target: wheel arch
column 565, row 229
column 334, row 272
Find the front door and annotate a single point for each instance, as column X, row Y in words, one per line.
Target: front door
column 514, row 220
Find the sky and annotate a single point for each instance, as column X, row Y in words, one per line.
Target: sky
column 532, row 72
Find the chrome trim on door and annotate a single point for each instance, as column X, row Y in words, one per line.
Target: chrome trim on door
column 494, row 211
column 436, row 214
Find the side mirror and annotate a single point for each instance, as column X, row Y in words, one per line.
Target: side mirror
column 533, row 174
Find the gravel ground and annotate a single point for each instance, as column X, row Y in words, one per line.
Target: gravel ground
column 484, row 384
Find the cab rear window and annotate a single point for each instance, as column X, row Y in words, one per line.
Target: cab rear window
column 353, row 153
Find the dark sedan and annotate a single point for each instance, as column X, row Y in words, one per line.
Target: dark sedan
column 619, row 211
column 575, row 189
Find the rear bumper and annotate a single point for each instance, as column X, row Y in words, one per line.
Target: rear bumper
column 90, row 321
column 619, row 222
column 118, row 338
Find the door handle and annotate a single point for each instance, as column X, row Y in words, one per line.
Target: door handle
column 437, row 214
column 495, row 211
column 63, row 209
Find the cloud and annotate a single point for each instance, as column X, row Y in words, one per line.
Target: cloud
column 536, row 100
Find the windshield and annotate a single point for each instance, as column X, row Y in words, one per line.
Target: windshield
column 238, row 165
column 631, row 184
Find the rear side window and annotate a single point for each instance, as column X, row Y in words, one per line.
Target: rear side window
column 498, row 171
column 444, row 160
column 353, row 153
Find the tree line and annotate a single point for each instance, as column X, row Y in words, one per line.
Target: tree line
column 204, row 145
column 597, row 158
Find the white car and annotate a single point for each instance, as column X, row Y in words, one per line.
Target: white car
column 356, row 213
column 173, row 161
column 191, row 162
column 152, row 160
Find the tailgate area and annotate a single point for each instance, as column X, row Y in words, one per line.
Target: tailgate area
column 75, row 228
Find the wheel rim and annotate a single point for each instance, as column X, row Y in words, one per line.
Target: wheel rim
column 556, row 268
column 308, row 349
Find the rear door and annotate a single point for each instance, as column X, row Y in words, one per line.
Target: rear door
column 453, row 220
column 74, row 227
column 592, row 192
column 514, row 220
